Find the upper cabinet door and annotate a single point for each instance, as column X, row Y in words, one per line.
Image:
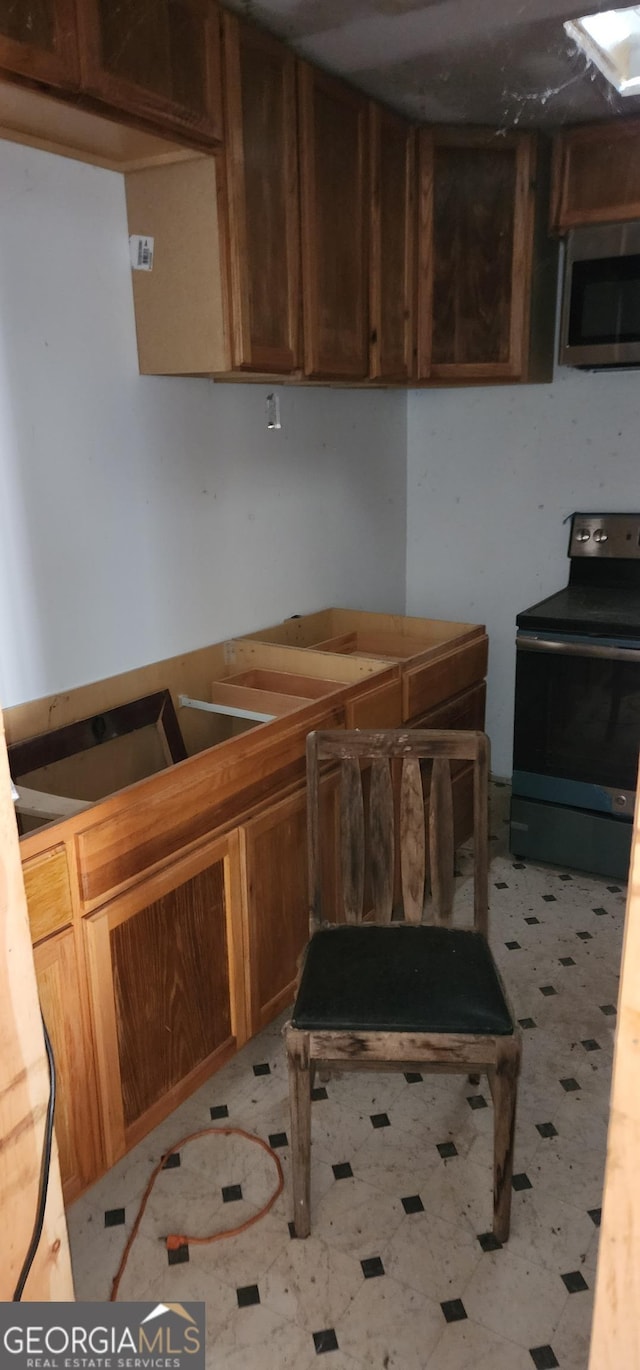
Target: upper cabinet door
column 38, row 39
column 158, row 59
column 335, row 221
column 475, row 265
column 263, row 198
column 393, row 177
column 596, row 175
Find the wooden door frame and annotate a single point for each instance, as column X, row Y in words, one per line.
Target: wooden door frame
column 615, row 1337
column 24, row 1087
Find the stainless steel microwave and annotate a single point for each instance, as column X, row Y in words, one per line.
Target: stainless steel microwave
column 600, row 322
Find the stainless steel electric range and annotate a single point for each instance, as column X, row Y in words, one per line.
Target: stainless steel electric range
column 577, row 705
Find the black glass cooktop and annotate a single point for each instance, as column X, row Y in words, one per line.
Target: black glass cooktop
column 592, row 610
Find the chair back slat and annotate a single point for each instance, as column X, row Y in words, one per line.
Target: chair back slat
column 441, row 845
column 352, row 839
column 369, row 858
column 412, row 840
column 381, row 840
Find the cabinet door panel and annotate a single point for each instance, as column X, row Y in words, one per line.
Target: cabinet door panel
column 275, row 855
column 38, row 39
column 167, row 986
column 263, row 195
column 158, row 59
column 76, row 1121
column 392, row 246
column 596, row 175
column 171, row 988
column 335, row 249
column 477, row 274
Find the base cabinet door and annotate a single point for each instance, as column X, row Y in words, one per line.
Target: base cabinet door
column 38, row 39
column 167, row 989
column 63, row 1010
column 275, row 866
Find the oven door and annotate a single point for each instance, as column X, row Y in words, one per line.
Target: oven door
column 577, row 722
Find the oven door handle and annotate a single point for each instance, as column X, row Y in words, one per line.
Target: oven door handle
column 541, row 644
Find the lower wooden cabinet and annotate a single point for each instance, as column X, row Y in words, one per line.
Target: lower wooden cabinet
column 167, row 986
column 64, row 1011
column 275, row 863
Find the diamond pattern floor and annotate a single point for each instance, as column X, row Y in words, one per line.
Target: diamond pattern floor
column 401, row 1270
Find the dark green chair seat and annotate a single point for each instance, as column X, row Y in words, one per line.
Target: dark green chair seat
column 400, row 978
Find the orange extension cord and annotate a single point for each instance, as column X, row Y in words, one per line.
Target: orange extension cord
column 174, row 1241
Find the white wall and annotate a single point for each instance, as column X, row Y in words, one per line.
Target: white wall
column 492, row 473
column 143, row 516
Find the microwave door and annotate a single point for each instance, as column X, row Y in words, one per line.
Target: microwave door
column 601, row 302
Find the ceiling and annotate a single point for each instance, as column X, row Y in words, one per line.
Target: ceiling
column 506, row 63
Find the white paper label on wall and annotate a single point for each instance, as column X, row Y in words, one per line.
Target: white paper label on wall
column 141, row 250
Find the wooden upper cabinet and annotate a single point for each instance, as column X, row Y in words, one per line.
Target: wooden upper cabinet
column 596, row 175
column 393, row 176
column 334, row 167
column 38, row 39
column 478, row 194
column 263, row 199
column 157, row 59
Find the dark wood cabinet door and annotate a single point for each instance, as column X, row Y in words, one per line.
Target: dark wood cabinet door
column 166, row 984
column 393, row 176
column 596, row 175
column 157, row 59
column 475, row 265
column 263, row 198
column 335, row 222
column 38, row 39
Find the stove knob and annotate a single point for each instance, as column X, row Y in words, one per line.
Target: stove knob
column 583, row 535
column 600, row 535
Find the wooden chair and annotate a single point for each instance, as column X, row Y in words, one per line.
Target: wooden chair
column 397, row 994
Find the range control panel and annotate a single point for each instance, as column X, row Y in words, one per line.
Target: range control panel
column 605, row 535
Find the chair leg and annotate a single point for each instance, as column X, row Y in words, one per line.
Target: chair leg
column 504, row 1087
column 300, row 1106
